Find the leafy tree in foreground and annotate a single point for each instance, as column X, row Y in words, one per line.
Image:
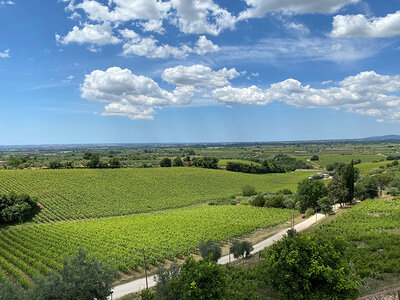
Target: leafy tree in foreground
column 11, row 291
column 309, row 192
column 210, row 249
column 383, row 180
column 308, row 267
column 82, row 278
column 202, row 279
column 164, row 275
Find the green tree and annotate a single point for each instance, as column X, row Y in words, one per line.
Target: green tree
column 165, row 162
column 383, row 180
column 55, row 164
column 94, row 161
column 365, row 188
column 202, row 279
column 11, row 291
column 164, row 276
column 115, row 163
column 314, row 158
column 348, row 179
column 325, row 203
column 337, row 190
column 241, row 249
column 16, row 207
column 309, row 192
column 210, row 249
column 258, row 201
column 177, row 162
column 82, row 278
column 309, row 267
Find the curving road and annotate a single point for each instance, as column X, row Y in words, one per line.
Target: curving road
column 140, row 284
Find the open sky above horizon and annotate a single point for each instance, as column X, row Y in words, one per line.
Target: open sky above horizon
column 147, row 71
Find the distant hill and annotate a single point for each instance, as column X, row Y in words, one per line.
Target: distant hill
column 390, row 137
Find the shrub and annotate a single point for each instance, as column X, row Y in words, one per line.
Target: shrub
column 147, row 295
column 258, row 201
column 309, row 267
column 241, row 249
column 16, row 207
column 165, row 162
column 365, row 188
column 199, row 280
column 285, row 191
column 275, row 201
column 291, row 233
column 177, row 162
column 314, row 158
column 249, row 190
column 309, row 212
column 55, row 164
column 210, row 249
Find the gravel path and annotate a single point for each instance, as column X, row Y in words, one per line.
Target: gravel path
column 140, row 284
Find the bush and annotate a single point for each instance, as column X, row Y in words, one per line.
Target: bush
column 365, row 188
column 147, row 295
column 291, row 233
column 177, row 162
column 202, row 279
column 314, row 158
column 241, row 249
column 285, row 191
column 258, row 201
column 81, row 278
column 309, row 267
column 210, row 249
column 275, row 201
column 16, row 207
column 55, row 164
column 249, row 190
column 309, row 212
column 165, row 162
column 205, row 162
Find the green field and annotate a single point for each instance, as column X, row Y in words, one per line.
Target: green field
column 29, row 250
column 326, row 159
column 87, row 193
column 373, row 231
column 224, row 162
column 368, row 167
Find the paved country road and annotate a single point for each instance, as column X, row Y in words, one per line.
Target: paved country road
column 140, row 284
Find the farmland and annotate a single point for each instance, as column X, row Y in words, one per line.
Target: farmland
column 88, row 193
column 34, row 249
column 326, row 159
column 372, row 229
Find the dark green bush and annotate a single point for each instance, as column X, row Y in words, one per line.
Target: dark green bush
column 16, row 207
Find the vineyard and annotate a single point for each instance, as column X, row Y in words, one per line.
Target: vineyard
column 372, row 228
column 87, row 193
column 34, row 249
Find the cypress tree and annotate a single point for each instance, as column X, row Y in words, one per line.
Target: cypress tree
column 348, row 179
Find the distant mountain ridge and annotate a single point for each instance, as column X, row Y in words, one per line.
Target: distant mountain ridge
column 383, row 137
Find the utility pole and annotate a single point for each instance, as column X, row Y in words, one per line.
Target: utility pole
column 229, row 250
column 145, row 269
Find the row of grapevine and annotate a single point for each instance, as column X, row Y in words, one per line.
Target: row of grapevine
column 34, row 249
column 86, row 193
column 373, row 231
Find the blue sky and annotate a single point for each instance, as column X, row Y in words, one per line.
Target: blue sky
column 139, row 71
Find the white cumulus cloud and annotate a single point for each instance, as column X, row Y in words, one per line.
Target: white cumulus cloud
column 98, row 34
column 359, row 26
column 199, row 75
